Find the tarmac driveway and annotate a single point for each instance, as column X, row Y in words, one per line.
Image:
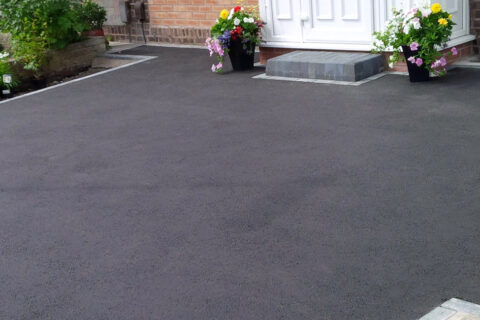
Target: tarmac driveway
column 163, row 191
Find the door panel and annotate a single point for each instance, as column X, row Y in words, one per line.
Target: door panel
column 343, row 21
column 338, row 21
column 458, row 9
column 283, row 23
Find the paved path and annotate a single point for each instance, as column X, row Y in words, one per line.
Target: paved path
column 162, row 191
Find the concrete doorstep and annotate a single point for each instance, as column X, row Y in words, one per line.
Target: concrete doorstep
column 323, row 65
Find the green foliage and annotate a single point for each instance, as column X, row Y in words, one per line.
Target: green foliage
column 37, row 26
column 430, row 30
column 92, row 14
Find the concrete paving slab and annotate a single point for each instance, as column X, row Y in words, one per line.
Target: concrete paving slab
column 454, row 309
column 464, row 316
column 464, row 306
column 439, row 313
column 264, row 76
column 108, row 62
column 116, row 47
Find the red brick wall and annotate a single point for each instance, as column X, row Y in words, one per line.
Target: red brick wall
column 475, row 25
column 189, row 13
column 174, row 21
column 189, row 21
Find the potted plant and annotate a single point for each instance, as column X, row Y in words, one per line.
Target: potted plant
column 236, row 33
column 420, row 34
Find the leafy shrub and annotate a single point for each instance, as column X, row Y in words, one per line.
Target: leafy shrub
column 92, row 15
column 37, row 26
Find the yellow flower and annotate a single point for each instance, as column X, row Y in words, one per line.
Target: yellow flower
column 443, row 21
column 224, row 14
column 450, row 17
column 436, row 8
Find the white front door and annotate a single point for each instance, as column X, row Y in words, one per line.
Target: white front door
column 283, row 21
column 342, row 24
column 338, row 21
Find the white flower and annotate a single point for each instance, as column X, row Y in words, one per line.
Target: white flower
column 246, row 20
column 251, row 20
column 4, row 55
column 236, row 21
column 425, row 10
column 230, row 15
column 422, row 4
column 417, row 25
column 409, row 15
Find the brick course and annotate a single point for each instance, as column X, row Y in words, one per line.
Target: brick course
column 189, row 22
column 475, row 22
column 173, row 21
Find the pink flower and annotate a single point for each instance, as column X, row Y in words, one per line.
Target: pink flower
column 414, row 46
column 419, row 62
column 219, row 65
column 443, row 61
column 214, row 68
column 216, row 46
column 415, row 10
column 454, row 51
column 411, row 59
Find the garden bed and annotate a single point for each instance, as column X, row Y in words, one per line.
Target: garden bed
column 100, row 63
column 47, row 40
column 75, row 58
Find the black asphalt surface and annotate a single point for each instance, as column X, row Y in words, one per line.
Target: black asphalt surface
column 164, row 191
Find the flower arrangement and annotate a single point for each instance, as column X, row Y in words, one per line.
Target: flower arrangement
column 425, row 30
column 238, row 24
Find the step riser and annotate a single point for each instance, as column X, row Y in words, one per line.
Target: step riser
column 337, row 66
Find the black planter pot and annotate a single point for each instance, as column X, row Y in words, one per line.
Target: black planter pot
column 239, row 56
column 416, row 73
